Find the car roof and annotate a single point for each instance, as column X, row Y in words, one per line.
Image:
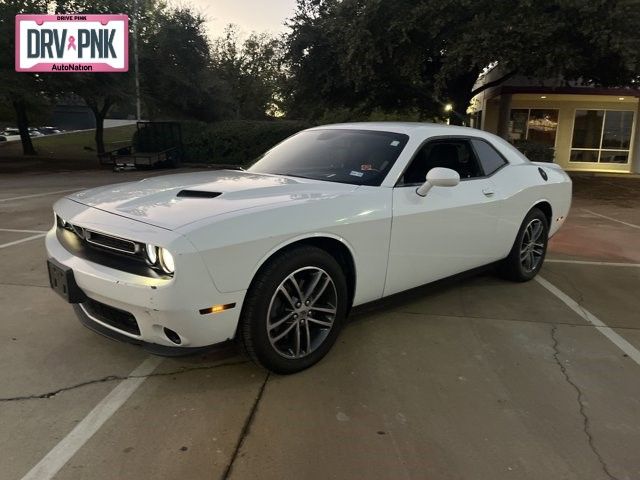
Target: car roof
column 406, row 128
column 424, row 130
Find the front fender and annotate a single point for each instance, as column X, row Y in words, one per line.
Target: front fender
column 234, row 248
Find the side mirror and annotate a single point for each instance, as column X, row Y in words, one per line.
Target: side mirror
column 439, row 177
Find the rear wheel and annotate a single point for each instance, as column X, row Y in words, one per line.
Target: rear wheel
column 529, row 249
column 294, row 310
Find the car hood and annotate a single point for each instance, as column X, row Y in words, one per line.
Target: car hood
column 173, row 201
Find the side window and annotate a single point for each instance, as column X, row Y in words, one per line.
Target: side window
column 452, row 153
column 489, row 158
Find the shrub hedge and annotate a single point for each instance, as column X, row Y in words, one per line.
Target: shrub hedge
column 234, row 142
column 535, row 151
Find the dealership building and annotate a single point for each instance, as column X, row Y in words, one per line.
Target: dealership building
column 589, row 129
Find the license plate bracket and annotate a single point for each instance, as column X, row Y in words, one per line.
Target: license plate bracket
column 63, row 282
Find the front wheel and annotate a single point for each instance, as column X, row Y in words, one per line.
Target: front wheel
column 529, row 249
column 294, row 310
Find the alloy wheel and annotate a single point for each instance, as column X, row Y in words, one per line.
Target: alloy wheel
column 532, row 246
column 302, row 312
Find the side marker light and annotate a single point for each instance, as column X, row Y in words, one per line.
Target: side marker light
column 217, row 309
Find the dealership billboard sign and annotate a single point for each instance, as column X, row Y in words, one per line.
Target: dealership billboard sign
column 72, row 43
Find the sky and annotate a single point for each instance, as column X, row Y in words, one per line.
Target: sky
column 249, row 15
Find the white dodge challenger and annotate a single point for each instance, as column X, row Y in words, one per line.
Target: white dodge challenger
column 275, row 256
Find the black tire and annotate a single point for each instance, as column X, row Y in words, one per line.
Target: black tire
column 514, row 267
column 265, row 301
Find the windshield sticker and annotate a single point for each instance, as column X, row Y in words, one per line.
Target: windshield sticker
column 356, row 174
column 395, row 143
column 365, row 167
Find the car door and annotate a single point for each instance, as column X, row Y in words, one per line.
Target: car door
column 450, row 230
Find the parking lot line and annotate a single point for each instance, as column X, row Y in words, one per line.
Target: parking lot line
column 16, row 242
column 40, row 194
column 602, row 327
column 51, row 464
column 599, row 264
column 612, row 219
column 12, row 230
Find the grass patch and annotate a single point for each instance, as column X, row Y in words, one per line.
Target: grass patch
column 71, row 146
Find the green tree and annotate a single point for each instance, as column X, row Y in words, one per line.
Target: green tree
column 177, row 75
column 100, row 91
column 359, row 55
column 177, row 70
column 253, row 70
column 420, row 55
column 596, row 43
column 20, row 90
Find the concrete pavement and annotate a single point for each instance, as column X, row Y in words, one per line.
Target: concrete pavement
column 475, row 378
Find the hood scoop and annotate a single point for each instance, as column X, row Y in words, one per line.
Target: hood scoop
column 197, row 194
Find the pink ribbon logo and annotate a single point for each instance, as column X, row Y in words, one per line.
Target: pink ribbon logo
column 72, row 43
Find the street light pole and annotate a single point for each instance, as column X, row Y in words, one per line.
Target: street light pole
column 135, row 58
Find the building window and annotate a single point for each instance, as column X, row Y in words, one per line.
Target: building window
column 536, row 125
column 601, row 136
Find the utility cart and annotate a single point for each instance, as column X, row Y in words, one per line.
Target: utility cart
column 155, row 144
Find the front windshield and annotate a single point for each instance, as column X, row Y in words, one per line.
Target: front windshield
column 359, row 157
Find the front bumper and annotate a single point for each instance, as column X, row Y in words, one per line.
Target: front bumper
column 174, row 351
column 161, row 307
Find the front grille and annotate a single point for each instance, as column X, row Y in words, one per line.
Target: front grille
column 111, row 243
column 115, row 252
column 103, row 241
column 115, row 317
column 80, row 248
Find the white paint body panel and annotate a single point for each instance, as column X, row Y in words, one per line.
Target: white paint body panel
column 449, row 231
column 156, row 303
column 398, row 240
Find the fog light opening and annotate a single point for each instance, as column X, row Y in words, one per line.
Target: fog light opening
column 173, row 336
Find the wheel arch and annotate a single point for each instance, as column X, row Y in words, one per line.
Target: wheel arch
column 545, row 207
column 334, row 245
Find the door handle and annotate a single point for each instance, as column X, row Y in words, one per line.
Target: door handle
column 487, row 191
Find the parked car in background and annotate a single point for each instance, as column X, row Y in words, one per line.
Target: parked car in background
column 33, row 131
column 3, row 138
column 10, row 131
column 49, row 130
column 276, row 256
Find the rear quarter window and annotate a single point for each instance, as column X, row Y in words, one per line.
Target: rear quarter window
column 489, row 157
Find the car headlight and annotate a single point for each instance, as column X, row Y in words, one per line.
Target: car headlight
column 166, row 260
column 151, row 252
column 62, row 223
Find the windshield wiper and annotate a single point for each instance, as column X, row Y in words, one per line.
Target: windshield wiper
column 295, row 176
